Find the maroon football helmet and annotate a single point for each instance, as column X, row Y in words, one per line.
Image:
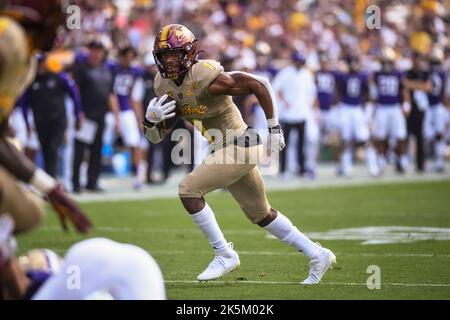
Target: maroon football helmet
column 175, row 51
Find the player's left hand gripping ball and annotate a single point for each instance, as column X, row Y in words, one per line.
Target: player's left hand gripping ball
column 158, row 111
column 67, row 209
column 276, row 139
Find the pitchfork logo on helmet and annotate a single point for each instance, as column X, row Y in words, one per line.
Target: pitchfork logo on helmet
column 175, row 51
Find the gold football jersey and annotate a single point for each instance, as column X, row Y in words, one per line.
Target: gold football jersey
column 17, row 68
column 197, row 106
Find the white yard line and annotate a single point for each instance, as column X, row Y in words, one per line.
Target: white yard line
column 362, row 284
column 338, row 254
column 243, row 232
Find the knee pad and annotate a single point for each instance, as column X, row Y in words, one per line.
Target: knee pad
column 186, row 189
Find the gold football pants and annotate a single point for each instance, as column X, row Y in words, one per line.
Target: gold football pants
column 236, row 169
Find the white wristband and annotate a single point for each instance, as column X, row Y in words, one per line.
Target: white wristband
column 272, row 122
column 42, row 181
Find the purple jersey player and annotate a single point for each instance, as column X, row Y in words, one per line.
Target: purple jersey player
column 326, row 87
column 353, row 89
column 388, row 86
column 389, row 120
column 124, row 78
column 438, row 79
column 325, row 80
column 437, row 116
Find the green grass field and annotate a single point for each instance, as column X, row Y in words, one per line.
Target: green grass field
column 271, row 270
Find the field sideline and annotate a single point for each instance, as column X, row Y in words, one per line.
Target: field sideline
column 413, row 261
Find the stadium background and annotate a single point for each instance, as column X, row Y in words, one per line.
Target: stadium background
column 245, row 35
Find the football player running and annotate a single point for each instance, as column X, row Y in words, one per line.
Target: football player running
column 202, row 93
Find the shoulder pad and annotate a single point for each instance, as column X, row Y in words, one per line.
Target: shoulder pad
column 205, row 71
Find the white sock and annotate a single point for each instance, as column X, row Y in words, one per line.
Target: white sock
column 141, row 171
column 381, row 162
column 207, row 223
column 404, row 161
column 439, row 150
column 284, row 230
column 346, row 160
column 371, row 159
column 312, row 150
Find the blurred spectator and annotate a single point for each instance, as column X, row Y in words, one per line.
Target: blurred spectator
column 389, row 121
column 46, row 98
column 325, row 80
column 436, row 116
column 125, row 77
column 296, row 91
column 353, row 95
column 239, row 33
column 418, row 83
column 94, row 80
column 143, row 93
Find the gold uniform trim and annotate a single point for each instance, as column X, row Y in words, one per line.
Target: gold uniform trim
column 200, row 126
column 164, row 33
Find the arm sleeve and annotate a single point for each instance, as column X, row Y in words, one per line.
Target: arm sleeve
column 72, row 90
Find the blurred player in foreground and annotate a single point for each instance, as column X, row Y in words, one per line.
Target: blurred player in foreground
column 35, row 29
column 16, row 71
column 92, row 269
column 203, row 95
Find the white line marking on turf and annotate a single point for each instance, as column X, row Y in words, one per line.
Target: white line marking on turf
column 338, row 254
column 394, row 284
column 256, row 253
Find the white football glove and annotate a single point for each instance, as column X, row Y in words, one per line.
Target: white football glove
column 157, row 111
column 275, row 141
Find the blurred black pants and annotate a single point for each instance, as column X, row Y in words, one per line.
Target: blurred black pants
column 415, row 128
column 95, row 157
column 51, row 137
column 287, row 128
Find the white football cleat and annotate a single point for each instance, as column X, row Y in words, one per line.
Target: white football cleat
column 224, row 261
column 318, row 265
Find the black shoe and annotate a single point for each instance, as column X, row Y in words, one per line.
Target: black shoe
column 398, row 168
column 95, row 188
column 76, row 190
